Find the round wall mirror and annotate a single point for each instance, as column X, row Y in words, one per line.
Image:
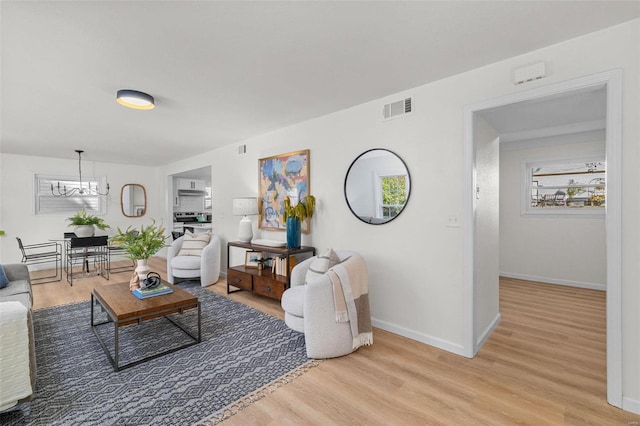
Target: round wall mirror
column 377, row 186
column 133, row 200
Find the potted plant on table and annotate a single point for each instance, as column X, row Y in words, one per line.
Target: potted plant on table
column 573, row 190
column 141, row 245
column 86, row 224
column 294, row 215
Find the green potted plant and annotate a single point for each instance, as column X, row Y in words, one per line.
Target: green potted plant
column 573, row 190
column 294, row 215
column 86, row 224
column 141, row 245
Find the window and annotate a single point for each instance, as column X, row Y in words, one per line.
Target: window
column 207, row 198
column 573, row 186
column 46, row 202
column 393, row 190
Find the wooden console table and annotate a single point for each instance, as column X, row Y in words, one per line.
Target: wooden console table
column 263, row 282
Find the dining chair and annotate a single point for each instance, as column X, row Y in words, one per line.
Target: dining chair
column 34, row 254
column 82, row 250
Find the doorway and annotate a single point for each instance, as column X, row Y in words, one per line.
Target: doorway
column 190, row 198
column 473, row 338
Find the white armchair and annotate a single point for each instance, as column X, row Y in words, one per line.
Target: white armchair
column 206, row 267
column 310, row 309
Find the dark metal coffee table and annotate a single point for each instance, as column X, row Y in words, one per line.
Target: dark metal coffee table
column 123, row 308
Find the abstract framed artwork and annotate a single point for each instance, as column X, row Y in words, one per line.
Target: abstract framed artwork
column 281, row 176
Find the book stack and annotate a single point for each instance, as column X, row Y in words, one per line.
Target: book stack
column 279, row 265
column 156, row 291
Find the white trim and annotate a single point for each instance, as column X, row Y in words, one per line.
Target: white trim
column 487, row 331
column 445, row 345
column 613, row 80
column 614, row 236
column 631, row 405
column 557, row 281
column 468, row 232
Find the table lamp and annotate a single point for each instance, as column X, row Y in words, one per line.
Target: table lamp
column 245, row 206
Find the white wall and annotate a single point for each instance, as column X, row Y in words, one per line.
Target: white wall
column 415, row 261
column 19, row 220
column 567, row 250
column 487, row 228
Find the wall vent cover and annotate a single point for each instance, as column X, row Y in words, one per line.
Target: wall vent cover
column 397, row 109
column 529, row 73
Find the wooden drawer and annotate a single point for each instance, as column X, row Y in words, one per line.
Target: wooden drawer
column 239, row 279
column 268, row 287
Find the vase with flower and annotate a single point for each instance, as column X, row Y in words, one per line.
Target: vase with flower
column 294, row 215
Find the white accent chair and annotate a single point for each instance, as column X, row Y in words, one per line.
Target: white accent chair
column 205, row 267
column 310, row 309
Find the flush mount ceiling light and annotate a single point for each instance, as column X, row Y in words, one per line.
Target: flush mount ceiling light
column 135, row 99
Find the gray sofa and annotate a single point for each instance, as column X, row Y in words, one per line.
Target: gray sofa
column 19, row 290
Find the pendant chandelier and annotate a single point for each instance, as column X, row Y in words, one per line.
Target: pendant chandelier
column 59, row 191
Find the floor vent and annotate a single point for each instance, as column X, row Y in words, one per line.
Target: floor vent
column 397, row 109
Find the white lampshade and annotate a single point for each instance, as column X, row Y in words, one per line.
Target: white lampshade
column 245, row 206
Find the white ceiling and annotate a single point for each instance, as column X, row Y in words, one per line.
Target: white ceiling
column 571, row 112
column 225, row 71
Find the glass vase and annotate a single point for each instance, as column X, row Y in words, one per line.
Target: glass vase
column 293, row 232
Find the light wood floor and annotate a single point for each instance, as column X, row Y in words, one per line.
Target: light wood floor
column 544, row 364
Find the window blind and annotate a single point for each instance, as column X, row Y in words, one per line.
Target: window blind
column 47, row 203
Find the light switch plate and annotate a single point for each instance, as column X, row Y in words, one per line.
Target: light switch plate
column 453, row 221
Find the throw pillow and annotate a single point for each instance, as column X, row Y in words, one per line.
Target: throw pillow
column 192, row 244
column 321, row 264
column 4, row 281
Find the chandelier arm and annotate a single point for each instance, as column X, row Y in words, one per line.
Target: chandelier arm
column 64, row 192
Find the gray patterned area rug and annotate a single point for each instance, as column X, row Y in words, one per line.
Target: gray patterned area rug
column 242, row 351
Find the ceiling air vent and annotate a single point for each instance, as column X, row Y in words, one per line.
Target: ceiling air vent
column 397, row 109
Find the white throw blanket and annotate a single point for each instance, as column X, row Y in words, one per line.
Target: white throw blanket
column 14, row 352
column 351, row 296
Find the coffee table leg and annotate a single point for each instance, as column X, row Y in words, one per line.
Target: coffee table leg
column 117, row 347
column 115, row 360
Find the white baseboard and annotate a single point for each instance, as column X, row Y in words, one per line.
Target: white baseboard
column 631, row 405
column 547, row 280
column 487, row 332
column 420, row 337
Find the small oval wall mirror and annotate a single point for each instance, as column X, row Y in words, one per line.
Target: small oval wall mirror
column 133, row 200
column 377, row 186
